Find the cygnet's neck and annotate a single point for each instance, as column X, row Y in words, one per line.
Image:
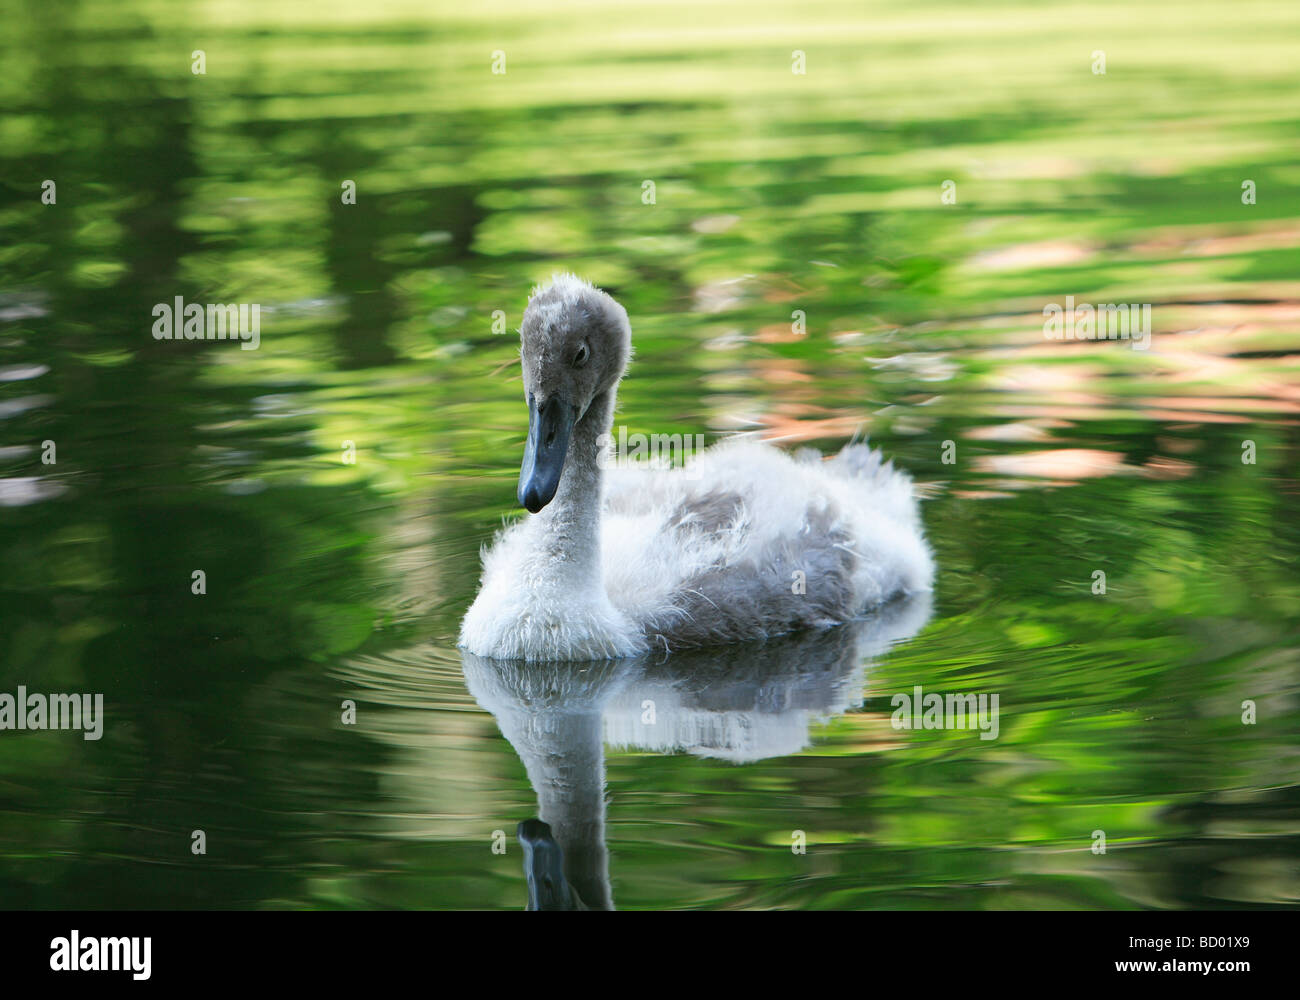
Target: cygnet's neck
column 570, row 523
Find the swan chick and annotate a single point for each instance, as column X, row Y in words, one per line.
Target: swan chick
column 748, row 542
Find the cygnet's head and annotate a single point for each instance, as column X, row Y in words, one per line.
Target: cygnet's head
column 574, row 345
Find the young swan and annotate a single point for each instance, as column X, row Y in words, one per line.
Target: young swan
column 745, row 542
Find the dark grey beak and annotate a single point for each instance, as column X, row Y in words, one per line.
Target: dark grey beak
column 544, row 866
column 549, row 426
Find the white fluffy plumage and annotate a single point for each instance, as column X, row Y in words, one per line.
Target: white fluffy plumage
column 745, row 542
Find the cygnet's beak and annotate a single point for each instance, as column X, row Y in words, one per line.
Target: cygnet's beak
column 549, row 426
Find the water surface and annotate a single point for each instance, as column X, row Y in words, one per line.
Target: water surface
column 389, row 324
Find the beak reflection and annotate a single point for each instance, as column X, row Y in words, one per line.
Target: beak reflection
column 544, row 865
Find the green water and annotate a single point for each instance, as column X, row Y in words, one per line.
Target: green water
column 774, row 192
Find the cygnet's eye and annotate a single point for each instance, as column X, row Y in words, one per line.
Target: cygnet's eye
column 580, row 358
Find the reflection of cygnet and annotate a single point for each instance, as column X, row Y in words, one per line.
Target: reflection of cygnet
column 748, row 703
column 740, row 703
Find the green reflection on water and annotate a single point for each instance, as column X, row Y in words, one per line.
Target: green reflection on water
column 773, row 193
